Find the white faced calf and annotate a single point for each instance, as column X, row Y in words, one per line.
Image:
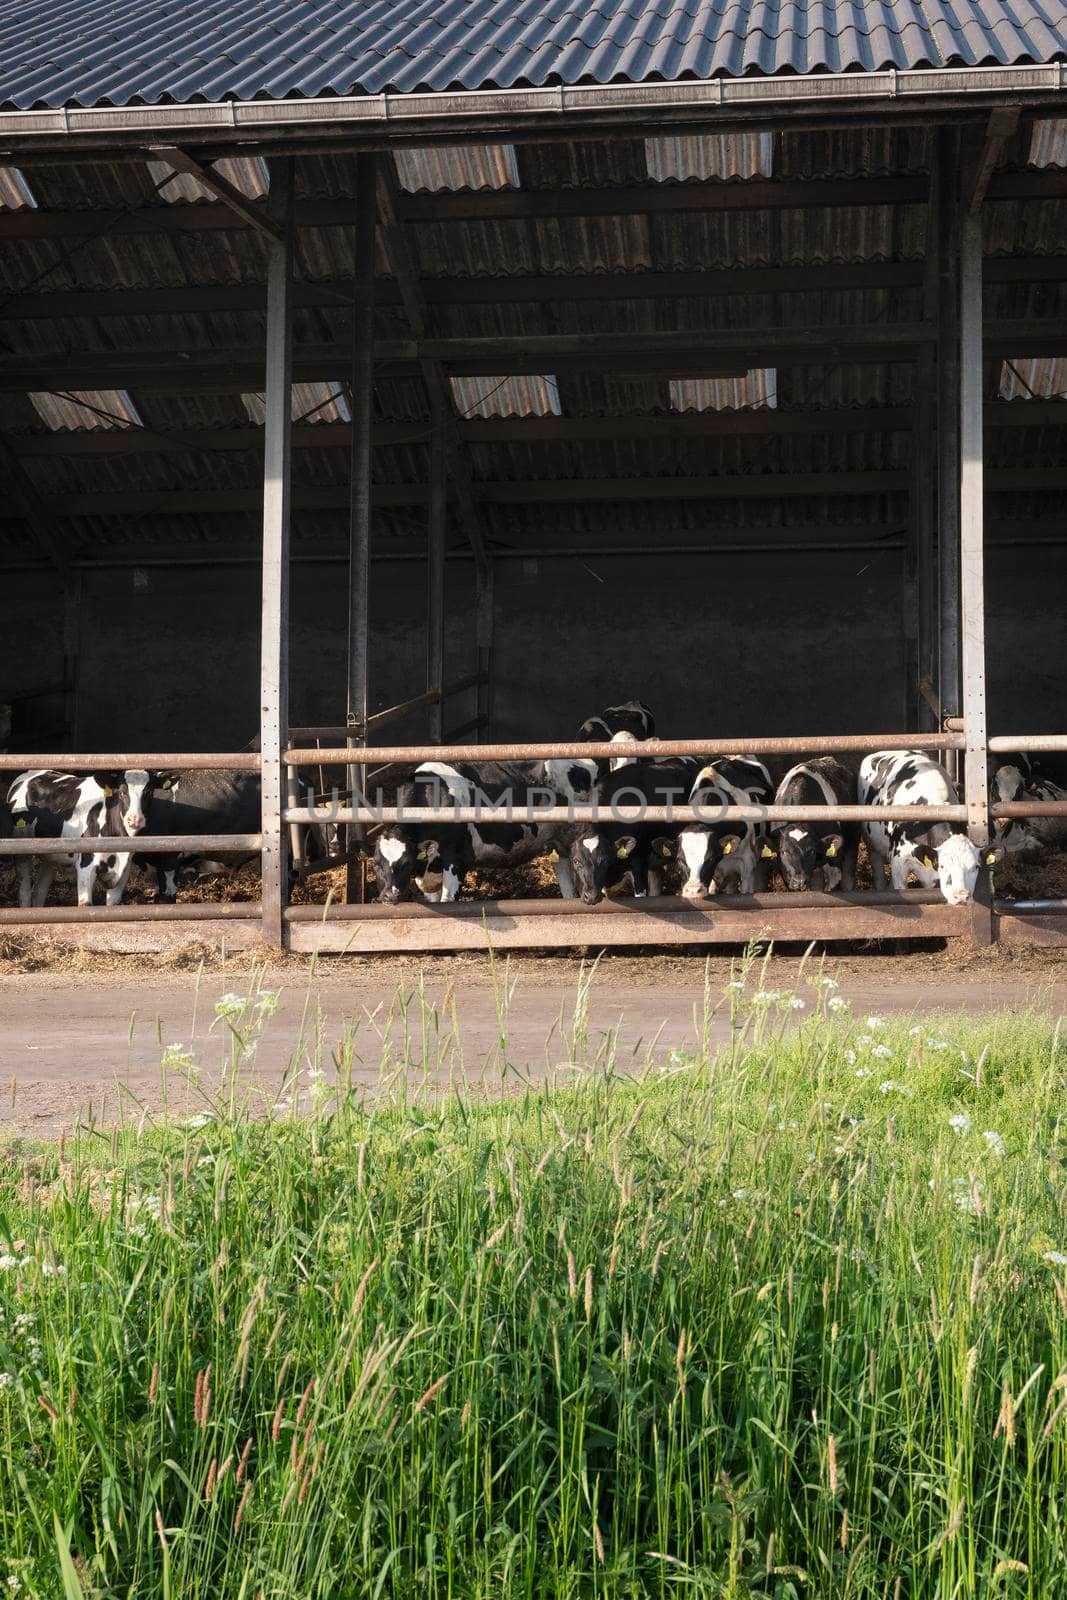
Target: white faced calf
column 937, row 854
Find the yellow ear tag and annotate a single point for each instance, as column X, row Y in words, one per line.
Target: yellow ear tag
column 621, row 854
column 726, row 849
column 991, row 858
column 831, row 850
column 167, row 783
column 108, row 792
column 665, row 849
column 21, row 823
column 421, row 856
column 767, row 853
column 553, row 855
column 926, row 862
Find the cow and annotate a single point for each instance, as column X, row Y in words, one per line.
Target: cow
column 435, row 857
column 711, row 852
column 202, row 800
column 62, row 805
column 938, row 854
column 604, row 853
column 826, row 849
column 1017, row 778
column 625, row 725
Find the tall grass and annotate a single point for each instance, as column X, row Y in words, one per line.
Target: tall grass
column 786, row 1318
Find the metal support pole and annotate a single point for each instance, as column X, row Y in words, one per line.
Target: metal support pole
column 947, row 211
column 435, row 570
column 73, row 593
column 484, row 631
column 972, row 579
column 274, row 647
column 359, row 517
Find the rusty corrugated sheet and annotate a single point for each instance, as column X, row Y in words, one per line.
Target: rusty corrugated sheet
column 757, row 390
column 709, row 155
column 526, row 395
column 465, row 166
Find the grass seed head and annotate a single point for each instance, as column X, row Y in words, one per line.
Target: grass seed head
column 431, row 1393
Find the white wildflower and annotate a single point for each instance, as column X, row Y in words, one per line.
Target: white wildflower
column 863, row 1072
column 883, row 1051
column 835, row 1003
column 961, row 1122
column 7, row 1380
column 1057, row 1258
column 7, row 1262
column 766, row 997
column 864, row 1040
column 739, row 1194
column 206, row 1161
column 176, row 1058
column 797, row 1004
column 874, row 1023
column 887, row 1086
column 317, row 1085
column 995, row 1141
column 200, row 1121
column 267, row 1003
column 736, row 983
column 936, row 1044
column 230, row 1005
column 914, row 1033
column 850, row 1057
column 49, row 1271
column 822, row 982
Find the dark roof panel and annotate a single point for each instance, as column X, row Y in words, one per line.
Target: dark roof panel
column 121, row 52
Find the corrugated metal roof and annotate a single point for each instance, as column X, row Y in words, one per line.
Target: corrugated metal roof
column 1039, row 378
column 311, row 402
column 457, row 166
column 249, row 174
column 87, row 409
column 527, row 395
column 120, row 52
column 15, row 192
column 757, row 390
column 1048, row 142
column 710, row 155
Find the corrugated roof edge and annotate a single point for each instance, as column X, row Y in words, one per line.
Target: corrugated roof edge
column 454, row 107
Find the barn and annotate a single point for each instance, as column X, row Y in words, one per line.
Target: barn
column 387, row 381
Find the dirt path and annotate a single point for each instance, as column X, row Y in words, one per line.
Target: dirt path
column 75, row 1042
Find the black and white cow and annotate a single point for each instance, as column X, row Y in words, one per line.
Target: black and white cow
column 938, row 854
column 435, row 857
column 199, row 801
column 1017, row 778
column 828, row 849
column 712, row 853
column 61, row 805
column 604, row 853
column 625, row 725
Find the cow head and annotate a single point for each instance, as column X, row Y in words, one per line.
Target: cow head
column 699, row 852
column 801, row 850
column 958, row 860
column 599, row 859
column 126, row 797
column 398, row 857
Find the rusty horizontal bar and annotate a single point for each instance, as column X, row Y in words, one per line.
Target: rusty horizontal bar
column 421, row 911
column 680, row 813
column 103, row 844
column 1006, row 743
column 573, row 750
column 1027, row 808
column 182, row 761
column 198, row 911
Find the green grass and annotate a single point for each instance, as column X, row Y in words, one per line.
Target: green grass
column 741, row 1324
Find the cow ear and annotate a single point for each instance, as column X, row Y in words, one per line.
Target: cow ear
column 664, row 848
column 364, row 851
column 730, row 843
column 992, row 854
column 427, row 850
column 832, row 844
column 625, row 847
column 768, row 852
column 926, row 861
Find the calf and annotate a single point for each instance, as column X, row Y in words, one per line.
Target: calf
column 936, row 853
column 828, row 849
column 200, row 801
column 603, row 854
column 712, row 853
column 61, row 805
column 1017, row 778
column 436, row 856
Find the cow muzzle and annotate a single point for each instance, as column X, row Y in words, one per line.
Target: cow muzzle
column 694, row 891
column 390, row 896
column 592, row 897
column 134, row 822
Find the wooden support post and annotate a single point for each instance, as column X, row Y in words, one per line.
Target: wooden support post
column 946, row 209
column 972, row 581
column 274, row 647
column 435, row 568
column 359, row 517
